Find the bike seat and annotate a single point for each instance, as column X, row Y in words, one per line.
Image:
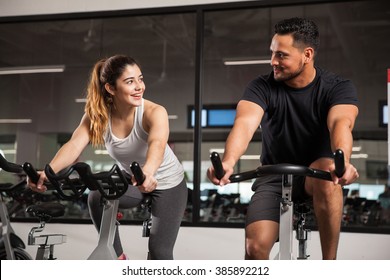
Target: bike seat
column 46, row 211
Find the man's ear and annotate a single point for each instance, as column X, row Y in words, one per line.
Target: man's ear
column 309, row 54
column 109, row 88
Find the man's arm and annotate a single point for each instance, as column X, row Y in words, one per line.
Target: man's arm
column 247, row 121
column 341, row 120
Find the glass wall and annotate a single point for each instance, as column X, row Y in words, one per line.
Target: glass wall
column 229, row 49
column 53, row 103
column 165, row 45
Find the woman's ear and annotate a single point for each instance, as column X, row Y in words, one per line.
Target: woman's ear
column 109, row 88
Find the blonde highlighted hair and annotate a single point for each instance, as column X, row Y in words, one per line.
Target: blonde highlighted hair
column 99, row 101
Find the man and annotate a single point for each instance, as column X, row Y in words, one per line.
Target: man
column 306, row 113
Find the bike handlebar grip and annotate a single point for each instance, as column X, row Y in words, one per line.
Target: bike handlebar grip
column 137, row 172
column 31, row 172
column 339, row 163
column 217, row 164
column 9, row 166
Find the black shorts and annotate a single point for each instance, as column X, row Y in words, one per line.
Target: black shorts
column 265, row 202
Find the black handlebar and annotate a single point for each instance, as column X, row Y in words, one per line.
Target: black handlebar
column 111, row 184
column 280, row 169
column 339, row 163
column 9, row 166
column 217, row 164
column 31, row 172
column 73, row 182
column 140, row 178
column 137, row 172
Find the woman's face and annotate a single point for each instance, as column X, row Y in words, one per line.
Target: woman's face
column 129, row 87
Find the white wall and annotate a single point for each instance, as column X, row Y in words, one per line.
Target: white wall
column 199, row 243
column 41, row 7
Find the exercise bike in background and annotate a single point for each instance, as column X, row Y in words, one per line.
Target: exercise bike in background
column 286, row 225
column 12, row 246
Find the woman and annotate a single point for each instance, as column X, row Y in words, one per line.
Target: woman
column 132, row 129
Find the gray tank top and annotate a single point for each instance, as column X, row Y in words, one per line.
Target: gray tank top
column 134, row 148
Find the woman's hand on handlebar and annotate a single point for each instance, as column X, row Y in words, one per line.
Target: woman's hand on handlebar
column 350, row 175
column 148, row 185
column 39, row 186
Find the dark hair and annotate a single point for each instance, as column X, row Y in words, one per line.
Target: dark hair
column 113, row 67
column 305, row 32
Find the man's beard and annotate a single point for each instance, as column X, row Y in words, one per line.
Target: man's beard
column 289, row 76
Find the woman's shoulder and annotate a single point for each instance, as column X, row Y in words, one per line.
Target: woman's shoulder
column 154, row 113
column 151, row 107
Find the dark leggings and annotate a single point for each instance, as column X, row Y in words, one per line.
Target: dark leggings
column 167, row 212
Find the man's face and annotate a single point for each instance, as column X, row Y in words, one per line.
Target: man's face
column 287, row 60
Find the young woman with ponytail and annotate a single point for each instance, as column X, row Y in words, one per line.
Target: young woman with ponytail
column 132, row 129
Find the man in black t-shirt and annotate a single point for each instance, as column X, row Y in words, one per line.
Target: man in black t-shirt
column 306, row 113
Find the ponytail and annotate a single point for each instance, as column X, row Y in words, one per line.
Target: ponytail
column 98, row 106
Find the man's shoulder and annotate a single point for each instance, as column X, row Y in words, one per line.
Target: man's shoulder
column 265, row 80
column 340, row 88
column 329, row 77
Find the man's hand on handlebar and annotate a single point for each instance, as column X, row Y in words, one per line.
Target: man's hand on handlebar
column 350, row 175
column 224, row 180
column 39, row 186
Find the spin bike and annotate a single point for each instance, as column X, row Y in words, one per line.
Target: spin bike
column 12, row 246
column 71, row 183
column 286, row 225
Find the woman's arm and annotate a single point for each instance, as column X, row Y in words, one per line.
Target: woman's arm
column 67, row 154
column 72, row 149
column 156, row 124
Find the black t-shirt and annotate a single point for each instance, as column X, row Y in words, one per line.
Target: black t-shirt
column 294, row 125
